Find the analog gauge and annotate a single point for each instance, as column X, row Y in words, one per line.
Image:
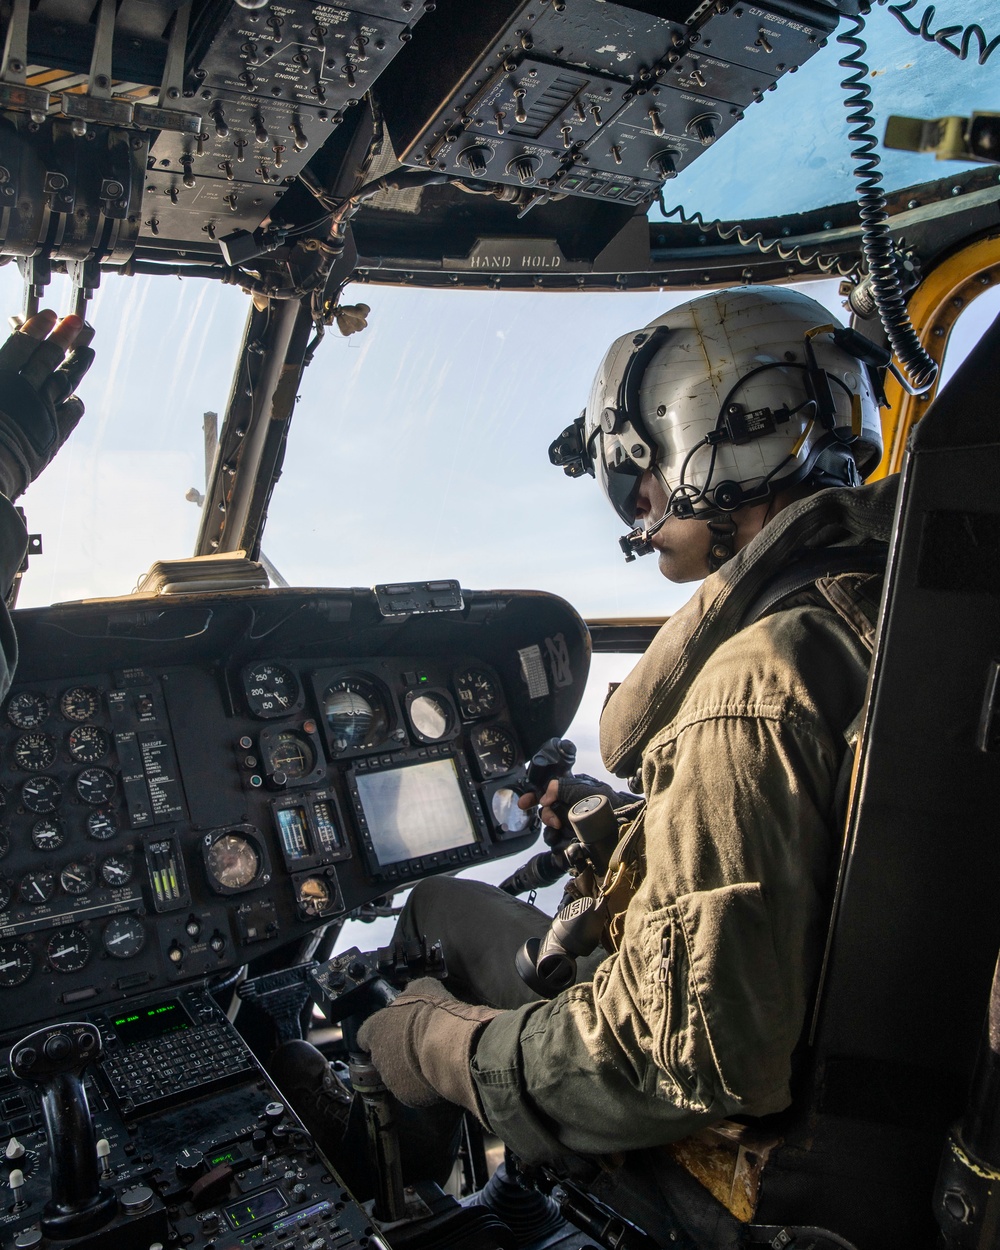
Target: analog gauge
column 48, row 834
column 356, row 714
column 313, row 896
column 477, row 693
column 33, row 752
column 77, row 878
column 495, row 750
column 124, row 937
column 232, row 862
column 507, row 814
column 271, row 690
column 289, row 753
column 15, row 964
column 68, row 950
column 27, row 710
column 95, row 785
column 88, row 744
column 5, row 895
column 38, row 887
column 41, row 794
column 431, row 716
column 80, row 703
column 102, row 824
column 116, row 871
column 4, row 843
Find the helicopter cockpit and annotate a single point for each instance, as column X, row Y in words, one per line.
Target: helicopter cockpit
column 416, row 225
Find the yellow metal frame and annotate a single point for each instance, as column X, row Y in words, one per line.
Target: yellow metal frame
column 934, row 307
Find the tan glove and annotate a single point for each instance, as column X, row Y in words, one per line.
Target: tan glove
column 423, row 1045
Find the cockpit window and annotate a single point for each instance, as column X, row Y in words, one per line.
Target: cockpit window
column 114, row 499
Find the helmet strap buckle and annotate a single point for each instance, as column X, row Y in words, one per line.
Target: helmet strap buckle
column 722, row 547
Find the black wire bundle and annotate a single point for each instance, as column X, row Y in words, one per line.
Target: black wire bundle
column 876, row 239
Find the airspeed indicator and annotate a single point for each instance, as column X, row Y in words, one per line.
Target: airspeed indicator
column 271, row 690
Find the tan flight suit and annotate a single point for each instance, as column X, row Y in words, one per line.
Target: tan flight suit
column 742, row 736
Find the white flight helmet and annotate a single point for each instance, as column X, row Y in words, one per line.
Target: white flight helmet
column 728, row 399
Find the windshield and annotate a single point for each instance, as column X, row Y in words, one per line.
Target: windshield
column 418, row 450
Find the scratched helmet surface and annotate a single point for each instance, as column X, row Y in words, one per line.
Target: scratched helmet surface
column 729, row 398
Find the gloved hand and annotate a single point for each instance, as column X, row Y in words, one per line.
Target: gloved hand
column 423, row 1043
column 38, row 409
column 569, row 790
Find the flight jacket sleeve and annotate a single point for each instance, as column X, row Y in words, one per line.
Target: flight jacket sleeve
column 697, row 1014
column 13, row 544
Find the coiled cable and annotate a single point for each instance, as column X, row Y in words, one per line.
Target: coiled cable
column 876, row 240
column 826, row 264
column 944, row 36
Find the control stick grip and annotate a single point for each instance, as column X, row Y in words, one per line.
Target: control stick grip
column 53, row 1060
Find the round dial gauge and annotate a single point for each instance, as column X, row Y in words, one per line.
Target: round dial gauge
column 355, row 713
column 33, row 752
column 477, row 693
column 77, row 878
column 313, row 896
column 95, row 785
column 5, row 895
column 38, row 887
column 289, row 753
column 271, row 690
column 80, row 703
column 88, row 744
column 15, row 964
column 431, row 716
column 116, row 871
column 495, row 750
column 68, row 950
column 48, row 834
column 232, row 861
column 27, row 710
column 4, row 843
column 124, row 937
column 41, row 794
column 102, row 825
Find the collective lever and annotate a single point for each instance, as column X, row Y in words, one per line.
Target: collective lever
column 53, row 1060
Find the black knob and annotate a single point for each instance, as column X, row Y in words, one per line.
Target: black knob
column 274, row 1112
column 189, row 1164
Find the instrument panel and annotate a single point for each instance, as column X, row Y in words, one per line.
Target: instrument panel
column 206, row 795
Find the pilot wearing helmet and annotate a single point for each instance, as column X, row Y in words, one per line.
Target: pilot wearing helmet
column 732, row 436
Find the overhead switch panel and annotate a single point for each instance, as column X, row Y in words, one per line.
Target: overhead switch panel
column 589, row 97
column 270, row 84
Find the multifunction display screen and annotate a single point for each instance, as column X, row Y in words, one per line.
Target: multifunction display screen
column 151, row 1022
column 416, row 810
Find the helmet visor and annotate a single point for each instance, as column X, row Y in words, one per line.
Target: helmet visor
column 619, row 474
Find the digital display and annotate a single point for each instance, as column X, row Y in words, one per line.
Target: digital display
column 326, row 826
column 231, row 1157
column 294, row 829
column 152, row 1022
column 258, row 1207
column 415, row 810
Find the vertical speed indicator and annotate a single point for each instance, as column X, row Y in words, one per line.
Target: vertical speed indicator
column 271, row 690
